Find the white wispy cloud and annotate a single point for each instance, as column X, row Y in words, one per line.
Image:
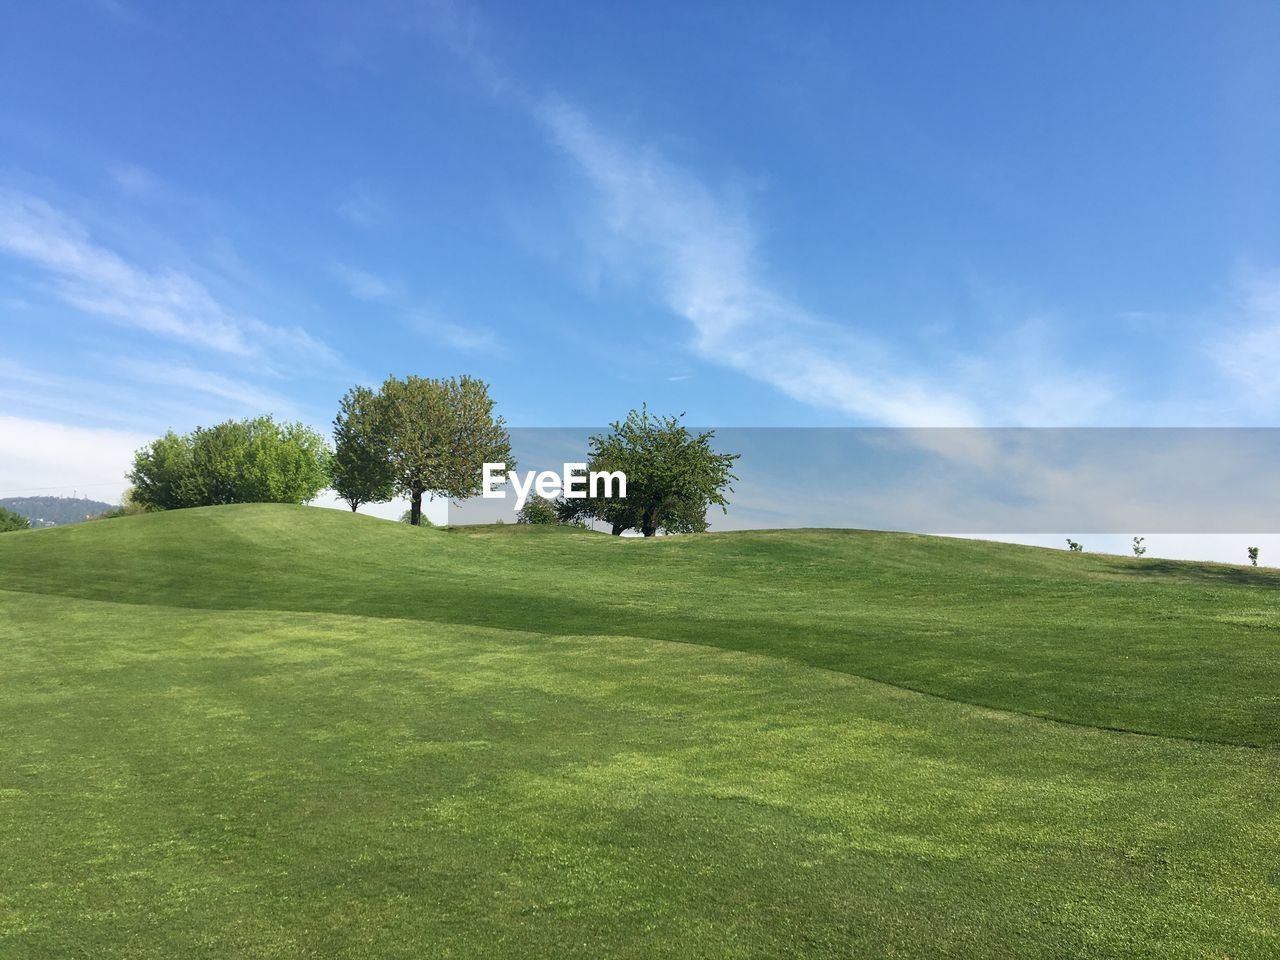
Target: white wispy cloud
column 369, row 287
column 101, row 282
column 133, row 394
column 186, row 378
column 117, row 9
column 362, row 284
column 136, row 181
column 1249, row 353
column 468, row 339
column 702, row 251
column 362, row 206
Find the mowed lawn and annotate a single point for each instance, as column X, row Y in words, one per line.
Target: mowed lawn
column 268, row 731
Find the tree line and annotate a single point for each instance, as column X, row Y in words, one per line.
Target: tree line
column 418, row 436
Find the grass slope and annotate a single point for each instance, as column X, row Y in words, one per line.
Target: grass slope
column 275, row 732
column 1175, row 649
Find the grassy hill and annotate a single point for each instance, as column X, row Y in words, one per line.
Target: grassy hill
column 268, row 731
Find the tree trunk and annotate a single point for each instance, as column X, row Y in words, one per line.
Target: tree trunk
column 415, row 508
column 618, row 528
column 354, row 504
column 649, row 524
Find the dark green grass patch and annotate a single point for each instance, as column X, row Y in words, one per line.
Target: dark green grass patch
column 1177, row 649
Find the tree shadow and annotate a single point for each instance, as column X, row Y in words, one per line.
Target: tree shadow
column 1217, row 573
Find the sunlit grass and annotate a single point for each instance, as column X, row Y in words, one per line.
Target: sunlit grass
column 281, row 732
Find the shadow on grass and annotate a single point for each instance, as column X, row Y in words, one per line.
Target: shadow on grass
column 1221, row 573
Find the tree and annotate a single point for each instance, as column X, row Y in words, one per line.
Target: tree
column 1138, row 547
column 162, row 473
column 12, row 521
column 238, row 461
column 1253, row 555
column 439, row 433
column 673, row 476
column 361, row 464
column 540, row 511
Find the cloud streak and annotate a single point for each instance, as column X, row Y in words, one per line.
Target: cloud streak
column 100, row 282
column 702, row 251
column 187, row 379
column 362, row 284
column 465, row 339
column 1250, row 354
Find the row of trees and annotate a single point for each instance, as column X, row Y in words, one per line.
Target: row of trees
column 1140, row 549
column 418, row 436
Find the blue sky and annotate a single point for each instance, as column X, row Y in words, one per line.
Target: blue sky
column 764, row 215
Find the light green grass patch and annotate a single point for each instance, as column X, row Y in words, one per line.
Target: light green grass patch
column 387, row 774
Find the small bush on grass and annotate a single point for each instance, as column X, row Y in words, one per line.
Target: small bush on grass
column 538, row 510
column 12, row 521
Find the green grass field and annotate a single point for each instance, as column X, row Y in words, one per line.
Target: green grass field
column 267, row 731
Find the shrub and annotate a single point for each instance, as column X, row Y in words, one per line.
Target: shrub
column 538, row 510
column 129, row 507
column 407, row 517
column 239, row 461
column 12, row 521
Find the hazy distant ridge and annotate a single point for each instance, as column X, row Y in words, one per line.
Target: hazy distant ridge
column 57, row 510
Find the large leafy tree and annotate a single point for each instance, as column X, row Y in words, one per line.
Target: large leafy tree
column 674, row 476
column 439, row 433
column 238, row 461
column 12, row 521
column 162, row 473
column 361, row 463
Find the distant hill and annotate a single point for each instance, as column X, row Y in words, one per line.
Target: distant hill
column 55, row 511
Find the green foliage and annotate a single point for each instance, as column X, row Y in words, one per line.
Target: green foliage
column 1253, row 556
column 1138, row 547
column 538, row 510
column 239, row 461
column 1074, row 547
column 423, row 521
column 12, row 521
column 361, row 464
column 438, row 434
column 163, row 472
column 673, row 476
column 129, row 507
column 569, row 514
